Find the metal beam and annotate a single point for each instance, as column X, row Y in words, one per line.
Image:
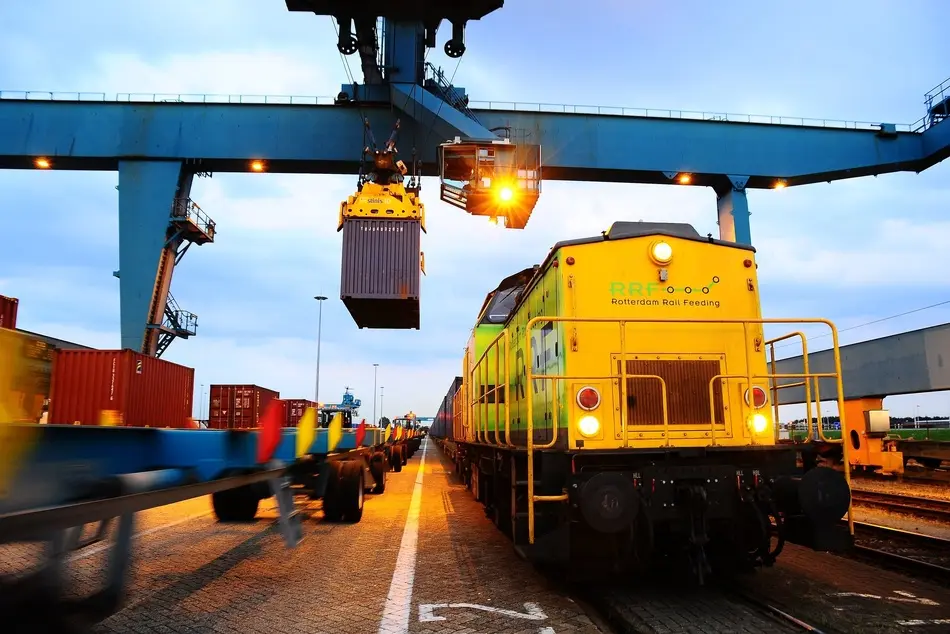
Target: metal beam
column 907, row 363
column 577, row 147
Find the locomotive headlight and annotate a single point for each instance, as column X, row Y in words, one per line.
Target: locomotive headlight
column 661, row 252
column 506, row 194
column 758, row 423
column 588, row 426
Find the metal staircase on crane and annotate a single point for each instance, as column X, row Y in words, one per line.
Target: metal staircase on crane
column 188, row 224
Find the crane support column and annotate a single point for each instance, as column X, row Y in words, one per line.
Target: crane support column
column 147, row 190
column 734, row 212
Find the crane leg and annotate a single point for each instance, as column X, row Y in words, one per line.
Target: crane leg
column 147, row 191
column 734, row 214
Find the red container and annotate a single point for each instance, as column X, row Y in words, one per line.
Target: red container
column 295, row 410
column 143, row 390
column 8, row 310
column 381, row 272
column 238, row 406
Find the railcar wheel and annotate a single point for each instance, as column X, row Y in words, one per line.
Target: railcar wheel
column 235, row 505
column 352, row 492
column 378, row 467
column 331, row 497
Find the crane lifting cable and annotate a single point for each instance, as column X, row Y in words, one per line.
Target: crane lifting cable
column 382, row 225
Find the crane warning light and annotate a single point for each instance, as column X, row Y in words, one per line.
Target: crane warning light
column 495, row 178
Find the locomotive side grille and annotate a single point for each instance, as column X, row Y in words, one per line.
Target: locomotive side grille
column 687, row 384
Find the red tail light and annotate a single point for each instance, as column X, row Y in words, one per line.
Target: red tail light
column 758, row 397
column 588, row 398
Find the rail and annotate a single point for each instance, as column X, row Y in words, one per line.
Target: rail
column 749, row 376
column 502, row 106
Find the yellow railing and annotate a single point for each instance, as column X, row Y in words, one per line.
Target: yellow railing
column 479, row 403
column 749, row 376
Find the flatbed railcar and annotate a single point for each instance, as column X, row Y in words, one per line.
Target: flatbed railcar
column 616, row 408
column 56, row 480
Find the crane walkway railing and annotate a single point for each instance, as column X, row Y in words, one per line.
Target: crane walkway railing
column 504, row 106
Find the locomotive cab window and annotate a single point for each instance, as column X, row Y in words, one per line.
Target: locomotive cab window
column 501, row 305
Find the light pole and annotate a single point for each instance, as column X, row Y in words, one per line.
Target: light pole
column 316, row 389
column 381, row 401
column 375, row 368
column 201, row 403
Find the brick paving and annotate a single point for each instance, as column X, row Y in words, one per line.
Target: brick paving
column 850, row 596
column 192, row 574
column 465, row 561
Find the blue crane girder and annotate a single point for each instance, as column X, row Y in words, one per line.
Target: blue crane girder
column 156, row 146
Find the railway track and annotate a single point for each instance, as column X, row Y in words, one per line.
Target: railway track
column 655, row 610
column 906, row 551
column 907, row 504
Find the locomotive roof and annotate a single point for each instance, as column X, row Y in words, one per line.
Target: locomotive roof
column 620, row 230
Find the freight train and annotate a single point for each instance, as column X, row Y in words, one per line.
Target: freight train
column 615, row 411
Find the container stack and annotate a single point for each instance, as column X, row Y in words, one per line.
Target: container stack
column 238, row 406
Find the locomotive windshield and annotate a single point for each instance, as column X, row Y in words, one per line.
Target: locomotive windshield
column 501, row 305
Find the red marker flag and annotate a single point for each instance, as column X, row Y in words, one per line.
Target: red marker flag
column 360, row 433
column 268, row 438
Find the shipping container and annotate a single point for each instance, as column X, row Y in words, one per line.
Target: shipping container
column 295, row 410
column 8, row 311
column 142, row 390
column 442, row 425
column 26, row 365
column 238, row 406
column 381, row 272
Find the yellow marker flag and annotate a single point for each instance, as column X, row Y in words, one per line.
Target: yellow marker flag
column 335, row 432
column 306, row 431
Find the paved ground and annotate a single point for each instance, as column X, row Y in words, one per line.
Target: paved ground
column 425, row 559
column 452, row 571
column 850, row 596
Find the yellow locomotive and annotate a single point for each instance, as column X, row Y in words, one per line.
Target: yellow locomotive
column 616, row 405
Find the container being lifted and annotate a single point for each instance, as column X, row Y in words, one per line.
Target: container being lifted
column 382, row 227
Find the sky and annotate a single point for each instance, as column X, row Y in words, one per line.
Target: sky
column 852, row 251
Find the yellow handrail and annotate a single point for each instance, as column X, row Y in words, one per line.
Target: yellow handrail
column 749, row 376
column 475, row 403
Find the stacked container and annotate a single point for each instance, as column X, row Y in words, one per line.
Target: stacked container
column 295, row 410
column 8, row 311
column 141, row 390
column 238, row 406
